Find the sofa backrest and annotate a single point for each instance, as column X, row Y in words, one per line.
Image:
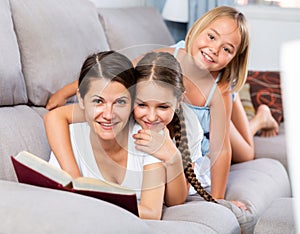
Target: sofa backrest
column 54, row 38
column 12, row 85
column 43, row 45
column 134, row 30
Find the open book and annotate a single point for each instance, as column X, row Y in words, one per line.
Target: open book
column 33, row 170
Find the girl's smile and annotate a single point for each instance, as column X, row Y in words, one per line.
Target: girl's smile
column 154, row 105
column 216, row 45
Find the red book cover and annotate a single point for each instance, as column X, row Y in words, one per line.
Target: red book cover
column 28, row 175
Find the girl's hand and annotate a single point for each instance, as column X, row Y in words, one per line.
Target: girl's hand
column 56, row 100
column 160, row 145
column 60, row 97
column 239, row 204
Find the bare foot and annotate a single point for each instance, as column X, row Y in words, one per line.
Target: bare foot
column 269, row 126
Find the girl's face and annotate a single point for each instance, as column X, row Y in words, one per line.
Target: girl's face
column 107, row 107
column 154, row 105
column 216, row 45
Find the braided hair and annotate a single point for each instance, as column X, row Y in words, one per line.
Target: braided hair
column 181, row 140
column 163, row 67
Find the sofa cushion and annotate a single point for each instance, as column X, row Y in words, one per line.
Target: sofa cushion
column 245, row 97
column 55, row 37
column 258, row 183
column 12, row 85
column 30, row 209
column 278, row 218
column 130, row 31
column 216, row 218
column 265, row 88
column 179, row 227
column 21, row 129
column 272, row 147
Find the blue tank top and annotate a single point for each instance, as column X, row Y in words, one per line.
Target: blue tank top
column 202, row 112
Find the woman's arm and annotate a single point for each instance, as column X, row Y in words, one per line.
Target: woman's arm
column 57, row 129
column 152, row 194
column 59, row 98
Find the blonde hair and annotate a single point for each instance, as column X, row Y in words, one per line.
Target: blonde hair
column 235, row 72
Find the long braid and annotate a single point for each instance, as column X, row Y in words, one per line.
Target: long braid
column 181, row 140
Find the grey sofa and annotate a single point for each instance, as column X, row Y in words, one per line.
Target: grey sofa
column 43, row 44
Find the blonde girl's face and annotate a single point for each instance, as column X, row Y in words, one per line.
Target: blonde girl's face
column 107, row 107
column 217, row 44
column 154, row 105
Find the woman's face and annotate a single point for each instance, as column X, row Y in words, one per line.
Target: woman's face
column 107, row 107
column 154, row 105
column 216, row 45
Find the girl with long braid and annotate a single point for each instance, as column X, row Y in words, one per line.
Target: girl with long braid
column 159, row 74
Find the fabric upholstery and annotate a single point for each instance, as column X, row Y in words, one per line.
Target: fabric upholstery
column 220, row 219
column 274, row 147
column 12, row 85
column 278, row 218
column 245, row 97
column 179, row 227
column 139, row 34
column 21, row 129
column 53, row 57
column 30, row 209
column 247, row 182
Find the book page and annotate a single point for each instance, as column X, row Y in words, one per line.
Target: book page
column 43, row 167
column 92, row 184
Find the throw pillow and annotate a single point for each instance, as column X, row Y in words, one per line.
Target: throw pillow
column 246, row 101
column 265, row 89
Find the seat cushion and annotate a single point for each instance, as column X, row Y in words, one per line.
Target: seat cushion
column 258, row 182
column 179, row 227
column 30, row 209
column 216, row 218
column 278, row 218
column 272, row 147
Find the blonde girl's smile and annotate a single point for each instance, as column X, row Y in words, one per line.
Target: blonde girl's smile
column 217, row 44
